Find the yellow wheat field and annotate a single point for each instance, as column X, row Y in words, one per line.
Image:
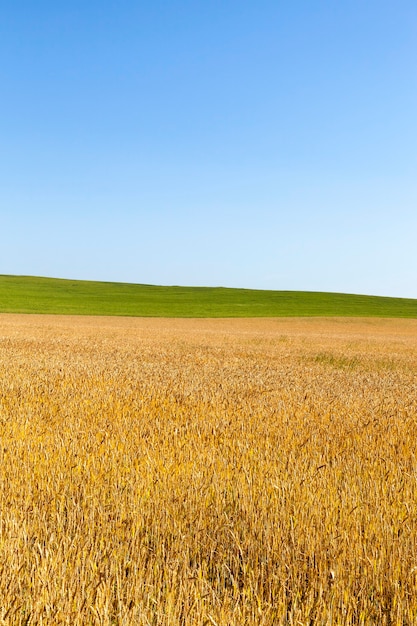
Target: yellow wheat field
column 210, row 472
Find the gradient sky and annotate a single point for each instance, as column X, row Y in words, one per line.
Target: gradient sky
column 260, row 144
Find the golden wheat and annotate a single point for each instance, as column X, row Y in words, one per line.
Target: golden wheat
column 211, row 472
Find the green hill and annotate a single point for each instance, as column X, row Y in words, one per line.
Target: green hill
column 28, row 294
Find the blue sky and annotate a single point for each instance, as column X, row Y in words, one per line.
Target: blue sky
column 268, row 145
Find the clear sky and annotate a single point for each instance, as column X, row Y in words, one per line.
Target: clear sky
column 261, row 144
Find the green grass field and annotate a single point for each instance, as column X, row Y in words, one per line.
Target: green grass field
column 28, row 294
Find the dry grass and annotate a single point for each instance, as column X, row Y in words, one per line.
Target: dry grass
column 211, row 472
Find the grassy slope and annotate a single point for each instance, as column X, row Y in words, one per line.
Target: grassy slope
column 27, row 294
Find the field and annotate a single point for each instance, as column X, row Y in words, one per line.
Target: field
column 208, row 472
column 31, row 294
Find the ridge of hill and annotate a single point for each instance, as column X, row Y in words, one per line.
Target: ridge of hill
column 31, row 294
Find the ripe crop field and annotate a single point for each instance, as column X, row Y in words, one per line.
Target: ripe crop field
column 208, row 472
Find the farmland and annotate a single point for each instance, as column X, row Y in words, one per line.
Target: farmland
column 32, row 294
column 208, row 472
